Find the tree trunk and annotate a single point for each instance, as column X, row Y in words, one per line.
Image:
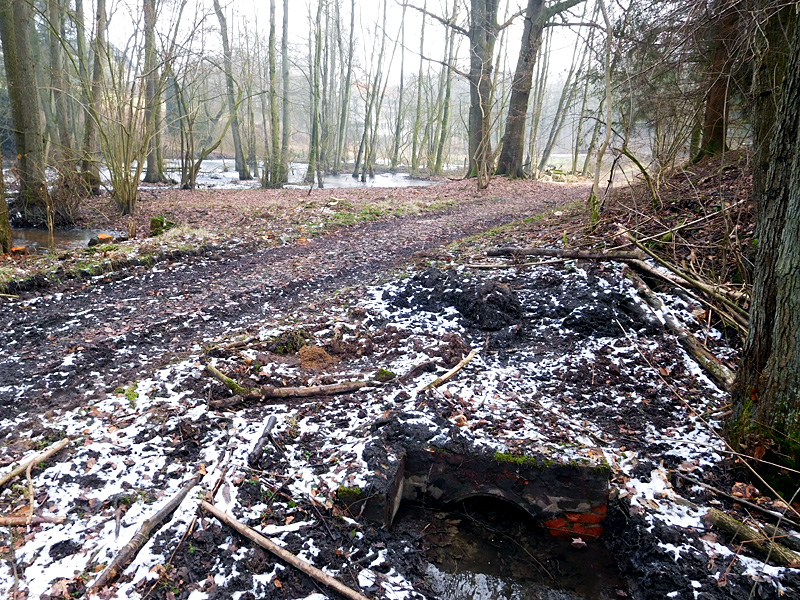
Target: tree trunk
column 314, row 143
column 345, row 100
column 15, row 22
column 512, row 153
column 154, row 173
column 482, row 37
column 398, row 127
column 6, row 239
column 721, row 31
column 451, row 40
column 233, row 105
column 275, row 170
column 766, row 419
column 283, row 175
column 56, row 16
column 89, row 163
column 418, row 112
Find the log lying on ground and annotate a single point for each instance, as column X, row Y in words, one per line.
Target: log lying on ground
column 754, row 539
column 565, row 253
column 779, row 517
column 284, row 392
column 23, row 521
column 285, row 555
column 132, row 548
column 41, row 457
column 710, row 363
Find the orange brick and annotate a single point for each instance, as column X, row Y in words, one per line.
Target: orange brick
column 572, row 517
column 600, row 510
column 590, row 518
column 587, row 530
column 555, row 524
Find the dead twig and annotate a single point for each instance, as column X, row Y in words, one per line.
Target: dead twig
column 23, row 521
column 41, row 457
column 440, row 380
column 285, row 555
column 132, row 548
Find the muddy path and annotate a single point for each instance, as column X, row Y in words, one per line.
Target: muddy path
column 80, row 338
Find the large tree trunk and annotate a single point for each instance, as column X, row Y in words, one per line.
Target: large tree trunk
column 233, row 105
column 155, row 169
column 482, row 37
column 513, row 152
column 766, row 418
column 15, row 22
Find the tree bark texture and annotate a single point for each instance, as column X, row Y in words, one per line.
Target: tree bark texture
column 513, row 152
column 233, row 105
column 15, row 22
column 154, row 173
column 482, row 37
column 767, row 406
column 721, row 32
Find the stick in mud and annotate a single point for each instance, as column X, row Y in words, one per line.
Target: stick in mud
column 132, row 548
column 266, row 436
column 285, row 555
column 41, row 457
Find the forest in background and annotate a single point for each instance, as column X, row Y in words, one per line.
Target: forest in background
column 489, row 87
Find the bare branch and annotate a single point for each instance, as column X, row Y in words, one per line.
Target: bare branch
column 447, row 23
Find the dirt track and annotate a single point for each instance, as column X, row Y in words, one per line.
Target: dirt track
column 85, row 337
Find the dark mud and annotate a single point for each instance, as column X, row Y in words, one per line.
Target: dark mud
column 68, row 343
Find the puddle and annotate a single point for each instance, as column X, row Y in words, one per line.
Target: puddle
column 487, row 549
column 63, row 239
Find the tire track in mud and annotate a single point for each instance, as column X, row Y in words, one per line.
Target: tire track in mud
column 79, row 339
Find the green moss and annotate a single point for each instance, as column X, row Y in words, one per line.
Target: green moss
column 159, row 224
column 129, row 392
column 522, row 460
column 289, row 342
column 349, row 495
column 384, row 375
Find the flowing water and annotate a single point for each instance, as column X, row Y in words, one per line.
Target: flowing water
column 487, row 549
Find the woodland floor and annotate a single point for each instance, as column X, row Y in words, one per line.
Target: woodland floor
column 369, row 279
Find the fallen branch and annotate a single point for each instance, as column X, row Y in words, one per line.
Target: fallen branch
column 41, row 457
column 738, row 313
column 285, row 555
column 750, row 505
column 132, row 548
column 767, row 547
column 23, row 521
column 488, row 266
column 564, row 253
column 231, row 384
column 464, row 362
column 691, row 344
column 284, row 392
column 266, row 436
